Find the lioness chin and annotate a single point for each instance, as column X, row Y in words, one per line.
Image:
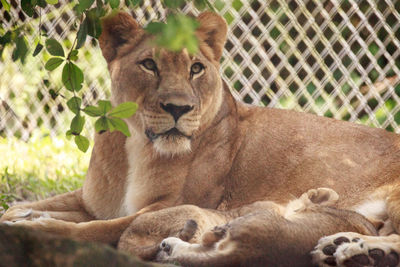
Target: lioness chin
column 193, row 143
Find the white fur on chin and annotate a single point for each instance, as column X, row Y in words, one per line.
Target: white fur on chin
column 172, row 145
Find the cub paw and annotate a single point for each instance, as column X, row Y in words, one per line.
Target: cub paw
column 188, row 231
column 321, row 196
column 167, row 248
column 216, row 234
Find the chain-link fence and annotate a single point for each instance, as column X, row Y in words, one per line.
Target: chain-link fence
column 333, row 58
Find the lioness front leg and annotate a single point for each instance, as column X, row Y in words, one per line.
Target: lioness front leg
column 66, row 207
column 105, row 231
column 353, row 249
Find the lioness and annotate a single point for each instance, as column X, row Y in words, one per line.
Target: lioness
column 258, row 234
column 193, row 143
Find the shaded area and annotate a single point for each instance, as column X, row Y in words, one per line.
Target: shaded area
column 24, row 247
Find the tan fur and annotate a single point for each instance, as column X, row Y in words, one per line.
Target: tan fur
column 260, row 234
column 234, row 154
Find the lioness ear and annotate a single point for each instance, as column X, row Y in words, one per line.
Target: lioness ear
column 212, row 31
column 117, row 30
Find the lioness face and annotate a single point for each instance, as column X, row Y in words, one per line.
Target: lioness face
column 178, row 94
column 174, row 91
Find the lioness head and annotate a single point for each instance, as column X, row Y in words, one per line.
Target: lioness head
column 178, row 94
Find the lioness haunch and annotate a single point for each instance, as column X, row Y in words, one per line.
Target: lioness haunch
column 193, row 143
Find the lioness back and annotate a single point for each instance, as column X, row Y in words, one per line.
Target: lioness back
column 286, row 150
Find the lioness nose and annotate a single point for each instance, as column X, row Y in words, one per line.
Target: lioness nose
column 176, row 111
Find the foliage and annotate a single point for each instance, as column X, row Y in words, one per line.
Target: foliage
column 177, row 33
column 50, row 166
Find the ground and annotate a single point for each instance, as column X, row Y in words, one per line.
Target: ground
column 42, row 167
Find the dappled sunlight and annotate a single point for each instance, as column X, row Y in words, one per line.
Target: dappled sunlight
column 44, row 156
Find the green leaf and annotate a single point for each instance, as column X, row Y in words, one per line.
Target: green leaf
column 72, row 77
column 104, row 106
column 82, row 143
column 176, row 34
column 27, row 7
column 155, row 27
column 74, row 52
column 124, row 110
column 74, row 104
column 119, row 125
column 6, row 38
column 82, row 33
column 85, row 4
column 54, row 47
column 68, row 134
column 6, row 5
column 53, row 63
column 42, row 3
column 38, row 48
column 77, row 124
column 52, row 2
column 73, row 55
column 173, row 3
column 94, row 24
column 21, row 49
column 101, row 125
column 114, row 3
column 93, row 111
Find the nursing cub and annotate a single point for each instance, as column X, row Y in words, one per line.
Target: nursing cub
column 260, row 234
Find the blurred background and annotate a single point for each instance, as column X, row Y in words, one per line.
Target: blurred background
column 333, row 58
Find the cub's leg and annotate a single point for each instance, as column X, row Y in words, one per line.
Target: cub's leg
column 144, row 235
column 67, row 207
column 356, row 250
column 319, row 196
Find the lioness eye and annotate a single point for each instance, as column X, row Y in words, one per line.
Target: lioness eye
column 196, row 68
column 149, row 64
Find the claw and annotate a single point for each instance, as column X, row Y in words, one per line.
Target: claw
column 23, row 213
column 166, row 247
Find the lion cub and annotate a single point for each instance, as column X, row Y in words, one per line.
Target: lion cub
column 260, row 234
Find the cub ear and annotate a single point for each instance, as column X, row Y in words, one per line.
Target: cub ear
column 117, row 30
column 212, row 31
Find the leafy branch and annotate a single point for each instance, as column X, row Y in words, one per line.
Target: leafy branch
column 177, row 33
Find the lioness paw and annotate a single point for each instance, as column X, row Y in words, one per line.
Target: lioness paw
column 354, row 250
column 324, row 253
column 22, row 214
column 51, row 226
